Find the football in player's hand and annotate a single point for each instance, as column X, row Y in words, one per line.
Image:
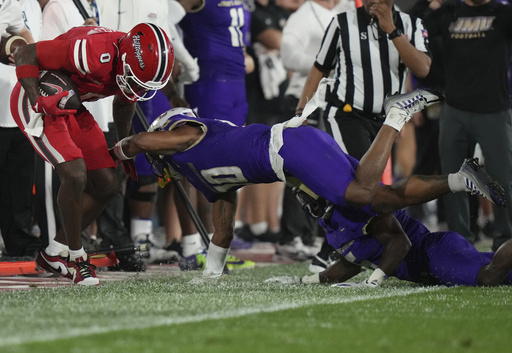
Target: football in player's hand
column 8, row 44
column 53, row 82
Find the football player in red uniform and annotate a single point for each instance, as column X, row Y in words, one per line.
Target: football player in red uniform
column 101, row 62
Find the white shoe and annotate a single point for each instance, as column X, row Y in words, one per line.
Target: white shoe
column 156, row 254
column 480, row 183
column 295, row 250
column 399, row 108
column 320, row 263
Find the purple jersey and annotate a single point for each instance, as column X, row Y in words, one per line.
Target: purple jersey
column 222, row 160
column 445, row 258
column 214, row 36
column 228, row 157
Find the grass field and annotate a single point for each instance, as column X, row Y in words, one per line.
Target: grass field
column 241, row 313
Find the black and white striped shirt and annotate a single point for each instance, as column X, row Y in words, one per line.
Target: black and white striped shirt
column 367, row 64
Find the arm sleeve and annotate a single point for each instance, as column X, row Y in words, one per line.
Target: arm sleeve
column 11, row 19
column 54, row 55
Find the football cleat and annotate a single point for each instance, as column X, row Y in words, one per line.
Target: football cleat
column 238, row 244
column 234, row 263
column 193, row 262
column 53, row 264
column 295, row 250
column 478, row 182
column 399, row 108
column 198, row 262
column 320, row 262
column 83, row 271
column 156, row 254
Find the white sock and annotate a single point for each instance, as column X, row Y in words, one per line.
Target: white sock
column 74, row 254
column 140, row 228
column 215, row 261
column 239, row 224
column 395, row 118
column 456, row 182
column 54, row 248
column 258, row 228
column 192, row 244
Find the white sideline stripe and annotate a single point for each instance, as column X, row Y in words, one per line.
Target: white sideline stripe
column 156, row 322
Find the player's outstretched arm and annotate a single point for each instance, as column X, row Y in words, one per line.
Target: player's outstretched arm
column 158, row 142
column 340, row 271
column 388, row 231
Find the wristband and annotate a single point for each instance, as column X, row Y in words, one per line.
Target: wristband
column 118, row 151
column 26, row 71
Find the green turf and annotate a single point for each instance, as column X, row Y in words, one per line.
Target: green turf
column 243, row 314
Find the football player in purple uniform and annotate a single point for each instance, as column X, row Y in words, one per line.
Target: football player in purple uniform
column 218, row 157
column 214, row 36
column 400, row 246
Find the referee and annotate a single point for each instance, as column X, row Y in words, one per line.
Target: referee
column 371, row 48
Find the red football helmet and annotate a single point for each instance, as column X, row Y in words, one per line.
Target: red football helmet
column 145, row 61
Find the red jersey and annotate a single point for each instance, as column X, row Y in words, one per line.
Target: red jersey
column 88, row 55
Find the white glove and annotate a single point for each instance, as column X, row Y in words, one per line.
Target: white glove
column 283, row 280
